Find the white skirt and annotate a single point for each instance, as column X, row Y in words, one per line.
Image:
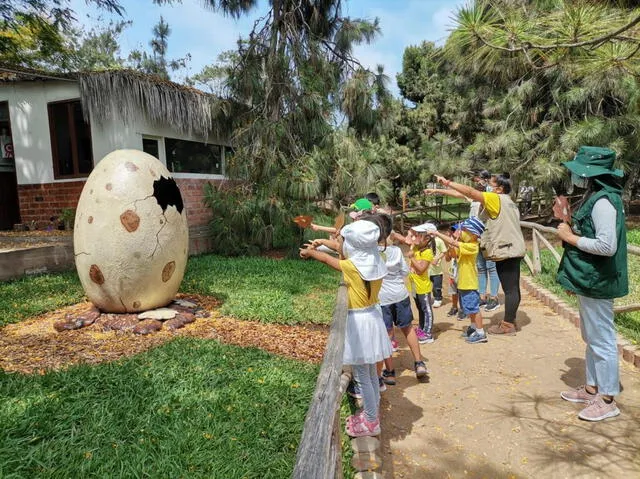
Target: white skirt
column 366, row 340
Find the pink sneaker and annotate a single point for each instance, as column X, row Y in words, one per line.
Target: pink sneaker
column 355, row 418
column 364, row 428
column 394, row 345
column 422, row 337
column 578, row 395
column 597, row 410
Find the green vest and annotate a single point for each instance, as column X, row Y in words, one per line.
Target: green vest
column 590, row 275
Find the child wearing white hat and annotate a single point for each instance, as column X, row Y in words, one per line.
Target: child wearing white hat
column 366, row 341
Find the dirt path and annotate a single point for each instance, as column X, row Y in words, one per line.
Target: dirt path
column 494, row 411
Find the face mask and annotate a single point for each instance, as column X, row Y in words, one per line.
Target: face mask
column 465, row 237
column 488, row 189
column 579, row 181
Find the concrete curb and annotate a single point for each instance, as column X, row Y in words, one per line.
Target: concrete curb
column 629, row 352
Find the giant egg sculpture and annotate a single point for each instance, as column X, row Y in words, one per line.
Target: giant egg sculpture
column 130, row 237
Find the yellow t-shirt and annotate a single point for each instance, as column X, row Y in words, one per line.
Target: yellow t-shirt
column 357, row 292
column 421, row 283
column 491, row 204
column 467, row 269
column 441, row 248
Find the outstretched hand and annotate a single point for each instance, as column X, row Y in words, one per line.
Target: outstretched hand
column 442, row 180
column 431, row 191
column 305, row 251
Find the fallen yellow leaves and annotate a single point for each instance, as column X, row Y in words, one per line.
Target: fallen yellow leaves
column 32, row 346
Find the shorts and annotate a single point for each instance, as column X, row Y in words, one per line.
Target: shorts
column 398, row 313
column 469, row 300
column 453, row 286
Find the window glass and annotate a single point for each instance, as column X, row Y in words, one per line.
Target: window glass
column 150, row 146
column 83, row 140
column 70, row 140
column 185, row 156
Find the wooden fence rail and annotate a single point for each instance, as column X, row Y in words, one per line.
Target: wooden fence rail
column 319, row 453
column 535, row 265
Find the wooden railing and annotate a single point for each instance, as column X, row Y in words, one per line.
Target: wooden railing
column 535, row 265
column 319, row 453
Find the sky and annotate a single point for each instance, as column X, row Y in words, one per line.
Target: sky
column 205, row 34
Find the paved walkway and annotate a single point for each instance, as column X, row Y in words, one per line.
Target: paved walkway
column 494, row 410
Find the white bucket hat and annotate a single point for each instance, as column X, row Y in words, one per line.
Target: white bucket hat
column 425, row 228
column 361, row 248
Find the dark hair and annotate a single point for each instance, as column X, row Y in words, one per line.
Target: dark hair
column 484, row 174
column 504, row 181
column 387, row 224
column 373, row 197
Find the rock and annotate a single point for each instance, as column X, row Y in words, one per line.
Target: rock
column 185, row 304
column 186, row 318
column 147, row 326
column 118, row 322
column 173, row 324
column 67, row 325
column 160, row 313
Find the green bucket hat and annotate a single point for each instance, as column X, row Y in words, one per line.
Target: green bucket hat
column 593, row 161
column 362, row 204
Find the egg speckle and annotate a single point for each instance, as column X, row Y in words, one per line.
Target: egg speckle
column 131, row 252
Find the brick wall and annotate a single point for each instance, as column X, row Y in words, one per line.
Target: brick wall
column 41, row 202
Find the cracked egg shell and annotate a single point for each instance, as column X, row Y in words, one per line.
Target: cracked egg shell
column 130, row 237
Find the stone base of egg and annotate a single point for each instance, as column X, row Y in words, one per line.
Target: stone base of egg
column 175, row 316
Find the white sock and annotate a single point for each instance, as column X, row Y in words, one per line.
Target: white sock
column 480, row 331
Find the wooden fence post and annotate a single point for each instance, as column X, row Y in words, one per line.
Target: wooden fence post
column 535, row 251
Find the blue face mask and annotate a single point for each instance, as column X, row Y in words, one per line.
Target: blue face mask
column 488, row 189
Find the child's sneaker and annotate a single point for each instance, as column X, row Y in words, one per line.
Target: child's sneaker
column 437, row 303
column 468, row 331
column 483, row 302
column 422, row 337
column 492, row 305
column 461, row 315
column 477, row 337
column 355, row 418
column 428, row 338
column 353, row 390
column 383, row 386
column 364, row 428
column 453, row 311
column 394, row 345
column 421, row 369
column 389, row 377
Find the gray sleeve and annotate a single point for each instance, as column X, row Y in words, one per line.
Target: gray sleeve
column 604, row 220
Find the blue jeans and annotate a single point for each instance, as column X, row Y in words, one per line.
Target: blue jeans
column 601, row 357
column 487, row 269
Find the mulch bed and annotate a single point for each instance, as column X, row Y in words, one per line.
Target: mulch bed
column 33, row 346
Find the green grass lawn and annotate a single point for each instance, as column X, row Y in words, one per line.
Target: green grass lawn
column 628, row 324
column 251, row 288
column 190, row 408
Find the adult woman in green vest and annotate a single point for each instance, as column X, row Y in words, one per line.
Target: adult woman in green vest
column 501, row 242
column 594, row 267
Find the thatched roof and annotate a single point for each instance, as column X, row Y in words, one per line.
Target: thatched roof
column 12, row 73
column 128, row 94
